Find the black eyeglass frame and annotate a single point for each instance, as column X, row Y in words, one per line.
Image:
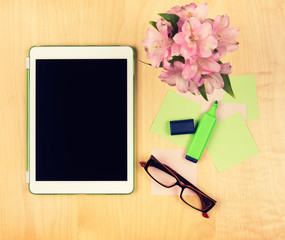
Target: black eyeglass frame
column 181, row 182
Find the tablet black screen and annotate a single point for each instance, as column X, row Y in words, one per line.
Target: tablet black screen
column 81, row 120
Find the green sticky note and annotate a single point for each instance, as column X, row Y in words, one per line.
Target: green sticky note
column 231, row 142
column 175, row 107
column 245, row 91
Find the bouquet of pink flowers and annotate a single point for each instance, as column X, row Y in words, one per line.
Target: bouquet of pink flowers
column 189, row 46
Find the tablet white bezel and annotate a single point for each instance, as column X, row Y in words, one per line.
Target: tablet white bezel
column 80, row 187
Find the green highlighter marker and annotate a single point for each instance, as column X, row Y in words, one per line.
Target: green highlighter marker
column 202, row 134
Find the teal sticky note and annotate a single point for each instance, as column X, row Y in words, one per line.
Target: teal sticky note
column 231, row 142
column 245, row 91
column 175, row 107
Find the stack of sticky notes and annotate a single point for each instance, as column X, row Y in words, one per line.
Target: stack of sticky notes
column 231, row 141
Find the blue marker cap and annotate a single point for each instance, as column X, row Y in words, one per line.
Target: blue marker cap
column 182, row 127
column 194, row 160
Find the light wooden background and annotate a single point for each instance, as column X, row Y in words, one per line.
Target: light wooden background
column 251, row 195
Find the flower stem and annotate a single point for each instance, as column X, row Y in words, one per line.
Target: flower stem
column 145, row 62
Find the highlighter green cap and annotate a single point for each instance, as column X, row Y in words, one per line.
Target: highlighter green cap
column 202, row 134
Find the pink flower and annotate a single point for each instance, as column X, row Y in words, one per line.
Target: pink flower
column 225, row 35
column 191, row 10
column 196, row 39
column 175, row 49
column 164, row 27
column 191, row 75
column 157, row 44
column 194, row 70
column 215, row 80
column 174, row 77
column 193, row 88
column 190, row 53
column 226, row 68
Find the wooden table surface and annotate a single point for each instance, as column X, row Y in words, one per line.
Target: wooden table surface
column 251, row 195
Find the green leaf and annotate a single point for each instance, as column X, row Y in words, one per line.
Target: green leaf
column 177, row 58
column 227, row 85
column 202, row 90
column 173, row 19
column 153, row 23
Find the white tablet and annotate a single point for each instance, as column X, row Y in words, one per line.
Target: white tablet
column 80, row 120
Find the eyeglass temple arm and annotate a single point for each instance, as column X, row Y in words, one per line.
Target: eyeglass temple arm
column 143, row 164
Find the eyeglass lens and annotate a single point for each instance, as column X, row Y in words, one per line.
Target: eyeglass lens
column 165, row 179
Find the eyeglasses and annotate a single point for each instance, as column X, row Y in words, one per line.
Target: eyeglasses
column 167, row 177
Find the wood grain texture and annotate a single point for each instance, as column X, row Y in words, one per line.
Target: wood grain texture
column 250, row 195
